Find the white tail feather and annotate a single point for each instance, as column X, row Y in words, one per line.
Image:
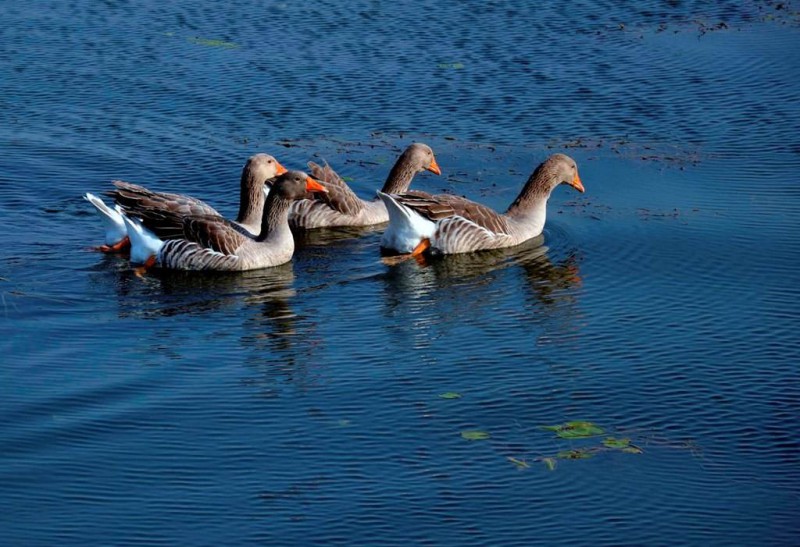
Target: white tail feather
column 144, row 243
column 112, row 219
column 406, row 227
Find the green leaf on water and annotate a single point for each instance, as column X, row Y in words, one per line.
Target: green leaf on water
column 475, row 435
column 551, row 463
column 611, row 442
column 622, row 444
column 450, row 395
column 454, row 66
column 575, row 430
column 576, row 454
column 348, row 179
column 343, row 423
column 212, row 43
column 522, row 464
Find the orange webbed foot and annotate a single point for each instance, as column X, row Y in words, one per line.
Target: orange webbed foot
column 418, row 254
column 139, row 271
column 121, row 245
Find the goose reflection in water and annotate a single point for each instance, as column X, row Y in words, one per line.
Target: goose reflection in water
column 547, row 279
column 448, row 291
column 278, row 346
column 165, row 293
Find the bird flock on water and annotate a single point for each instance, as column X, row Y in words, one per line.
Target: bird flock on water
column 176, row 231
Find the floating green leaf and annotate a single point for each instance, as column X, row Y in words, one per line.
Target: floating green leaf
column 551, row 463
column 522, row 464
column 455, row 66
column 450, row 395
column 576, row 454
column 611, row 442
column 575, row 430
column 343, row 423
column 622, row 444
column 212, row 43
column 475, row 435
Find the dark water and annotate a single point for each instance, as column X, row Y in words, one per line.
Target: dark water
column 303, row 404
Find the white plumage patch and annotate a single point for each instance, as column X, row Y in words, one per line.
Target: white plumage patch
column 112, row 219
column 144, row 243
column 406, row 227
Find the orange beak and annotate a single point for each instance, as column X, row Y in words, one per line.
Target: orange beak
column 434, row 167
column 577, row 184
column 279, row 169
column 314, row 186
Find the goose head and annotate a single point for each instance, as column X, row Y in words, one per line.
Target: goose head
column 261, row 167
column 294, row 185
column 561, row 169
column 420, row 157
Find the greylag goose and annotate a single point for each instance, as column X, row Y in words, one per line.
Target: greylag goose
column 447, row 224
column 156, row 208
column 213, row 243
column 340, row 206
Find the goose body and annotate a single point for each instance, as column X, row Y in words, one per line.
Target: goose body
column 213, row 243
column 448, row 224
column 340, row 206
column 161, row 212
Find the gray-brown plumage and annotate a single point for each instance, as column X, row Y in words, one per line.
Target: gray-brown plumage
column 161, row 212
column 212, row 243
column 342, row 207
column 453, row 224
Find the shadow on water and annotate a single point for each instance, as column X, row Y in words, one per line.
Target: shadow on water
column 548, row 280
column 487, row 288
column 171, row 293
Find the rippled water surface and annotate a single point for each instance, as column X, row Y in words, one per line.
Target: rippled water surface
column 330, row 400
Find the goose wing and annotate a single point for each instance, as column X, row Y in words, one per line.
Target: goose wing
column 439, row 207
column 161, row 212
column 457, row 234
column 214, row 233
column 339, row 197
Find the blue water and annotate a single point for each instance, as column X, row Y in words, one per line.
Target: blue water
column 304, row 404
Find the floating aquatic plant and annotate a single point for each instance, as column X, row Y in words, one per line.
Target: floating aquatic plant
column 576, row 454
column 621, row 444
column 212, row 43
column 522, row 464
column 551, row 463
column 575, row 430
column 475, row 435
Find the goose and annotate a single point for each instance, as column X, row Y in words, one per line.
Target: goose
column 447, row 224
column 155, row 209
column 340, row 206
column 215, row 244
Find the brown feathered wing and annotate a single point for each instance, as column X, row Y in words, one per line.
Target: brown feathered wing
column 160, row 212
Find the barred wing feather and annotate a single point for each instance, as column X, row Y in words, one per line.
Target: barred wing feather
column 457, row 234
